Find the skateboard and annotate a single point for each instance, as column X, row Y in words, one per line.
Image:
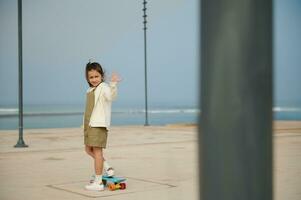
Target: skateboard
column 114, row 183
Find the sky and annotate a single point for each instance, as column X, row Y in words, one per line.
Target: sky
column 287, row 52
column 60, row 36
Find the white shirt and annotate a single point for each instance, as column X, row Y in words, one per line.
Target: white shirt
column 104, row 95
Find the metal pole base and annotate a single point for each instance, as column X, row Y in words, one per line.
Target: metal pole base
column 20, row 144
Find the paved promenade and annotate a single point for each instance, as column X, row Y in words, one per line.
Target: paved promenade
column 159, row 162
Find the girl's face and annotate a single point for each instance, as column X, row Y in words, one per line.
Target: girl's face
column 94, row 77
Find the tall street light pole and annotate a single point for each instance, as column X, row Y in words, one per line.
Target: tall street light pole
column 145, row 62
column 236, row 140
column 20, row 142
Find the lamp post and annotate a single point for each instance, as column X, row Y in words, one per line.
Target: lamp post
column 20, row 142
column 236, row 141
column 145, row 62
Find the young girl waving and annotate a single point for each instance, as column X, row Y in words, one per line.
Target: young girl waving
column 97, row 118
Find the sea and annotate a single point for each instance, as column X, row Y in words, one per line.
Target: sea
column 67, row 116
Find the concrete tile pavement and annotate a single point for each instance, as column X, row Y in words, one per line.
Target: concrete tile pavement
column 159, row 162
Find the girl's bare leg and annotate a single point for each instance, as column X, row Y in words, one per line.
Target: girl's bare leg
column 89, row 151
column 98, row 160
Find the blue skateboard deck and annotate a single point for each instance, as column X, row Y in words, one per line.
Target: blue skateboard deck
column 114, row 183
column 112, row 179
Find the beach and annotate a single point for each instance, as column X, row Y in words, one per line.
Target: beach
column 159, row 162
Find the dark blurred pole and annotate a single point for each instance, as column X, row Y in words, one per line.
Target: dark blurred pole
column 145, row 61
column 236, row 100
column 20, row 142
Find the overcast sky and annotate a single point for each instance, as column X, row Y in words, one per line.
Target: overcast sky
column 287, row 52
column 59, row 36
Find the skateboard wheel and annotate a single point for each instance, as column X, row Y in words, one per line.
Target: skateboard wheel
column 122, row 186
column 112, row 186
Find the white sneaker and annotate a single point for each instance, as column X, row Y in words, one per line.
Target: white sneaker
column 95, row 187
column 92, row 178
column 109, row 172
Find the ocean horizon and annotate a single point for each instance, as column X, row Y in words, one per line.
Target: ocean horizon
column 69, row 116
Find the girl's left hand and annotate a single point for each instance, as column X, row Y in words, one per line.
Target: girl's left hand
column 115, row 77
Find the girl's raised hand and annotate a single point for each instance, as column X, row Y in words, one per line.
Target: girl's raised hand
column 115, row 77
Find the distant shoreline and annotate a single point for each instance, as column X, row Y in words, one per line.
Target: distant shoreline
column 42, row 114
column 278, row 126
column 14, row 113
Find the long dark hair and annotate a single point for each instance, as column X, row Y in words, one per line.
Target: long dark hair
column 94, row 66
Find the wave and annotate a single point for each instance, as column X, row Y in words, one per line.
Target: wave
column 7, row 112
column 157, row 111
column 13, row 114
column 286, row 109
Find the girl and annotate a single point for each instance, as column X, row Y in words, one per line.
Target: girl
column 97, row 119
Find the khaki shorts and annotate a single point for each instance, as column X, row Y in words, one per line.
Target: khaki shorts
column 96, row 136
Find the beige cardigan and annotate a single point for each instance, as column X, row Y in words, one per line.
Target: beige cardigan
column 104, row 95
